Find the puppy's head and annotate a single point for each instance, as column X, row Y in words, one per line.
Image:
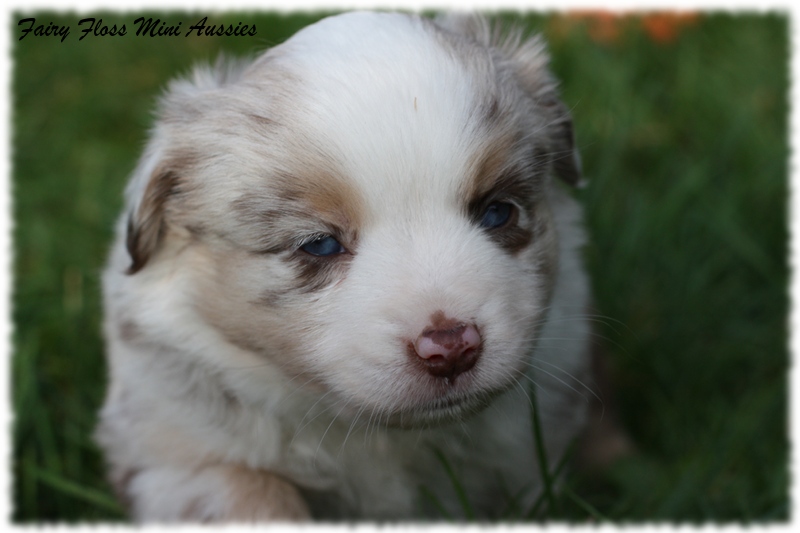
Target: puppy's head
column 366, row 207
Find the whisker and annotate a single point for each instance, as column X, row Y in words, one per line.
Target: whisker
column 350, row 429
column 322, row 438
column 588, row 389
column 301, row 426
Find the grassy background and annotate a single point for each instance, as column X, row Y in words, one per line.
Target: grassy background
column 684, row 140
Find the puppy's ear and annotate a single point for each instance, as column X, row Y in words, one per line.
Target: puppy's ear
column 147, row 221
column 163, row 172
column 566, row 159
column 528, row 60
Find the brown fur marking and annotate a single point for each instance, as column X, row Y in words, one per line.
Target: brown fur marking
column 499, row 177
column 146, row 227
column 129, row 330
column 256, row 490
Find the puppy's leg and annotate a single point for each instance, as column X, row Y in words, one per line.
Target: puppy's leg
column 218, row 493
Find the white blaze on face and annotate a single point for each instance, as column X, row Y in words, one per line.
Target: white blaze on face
column 405, row 120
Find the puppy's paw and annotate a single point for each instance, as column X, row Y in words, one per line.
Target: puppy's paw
column 220, row 493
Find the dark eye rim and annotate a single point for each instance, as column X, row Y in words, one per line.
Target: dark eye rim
column 513, row 216
column 321, row 237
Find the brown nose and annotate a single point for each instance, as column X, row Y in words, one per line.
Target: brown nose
column 448, row 352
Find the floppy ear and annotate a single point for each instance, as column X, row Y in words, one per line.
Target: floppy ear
column 528, row 60
column 161, row 178
column 566, row 159
column 147, row 221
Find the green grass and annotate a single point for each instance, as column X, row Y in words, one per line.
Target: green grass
column 685, row 146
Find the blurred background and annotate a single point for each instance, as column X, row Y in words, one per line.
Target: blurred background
column 681, row 119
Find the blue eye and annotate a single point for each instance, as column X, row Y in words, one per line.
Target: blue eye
column 496, row 215
column 323, row 247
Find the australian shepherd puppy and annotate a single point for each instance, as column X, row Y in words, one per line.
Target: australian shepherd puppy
column 344, row 269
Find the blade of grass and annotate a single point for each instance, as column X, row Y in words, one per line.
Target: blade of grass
column 513, row 509
column 541, row 453
column 583, row 504
column 427, row 493
column 461, row 494
column 75, row 490
column 537, row 504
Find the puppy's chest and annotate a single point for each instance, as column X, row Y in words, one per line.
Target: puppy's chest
column 380, row 473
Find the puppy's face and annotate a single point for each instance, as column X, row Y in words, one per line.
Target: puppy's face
column 365, row 207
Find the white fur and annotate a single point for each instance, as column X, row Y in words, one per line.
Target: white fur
column 213, row 393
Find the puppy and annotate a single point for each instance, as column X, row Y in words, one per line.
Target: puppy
column 342, row 270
